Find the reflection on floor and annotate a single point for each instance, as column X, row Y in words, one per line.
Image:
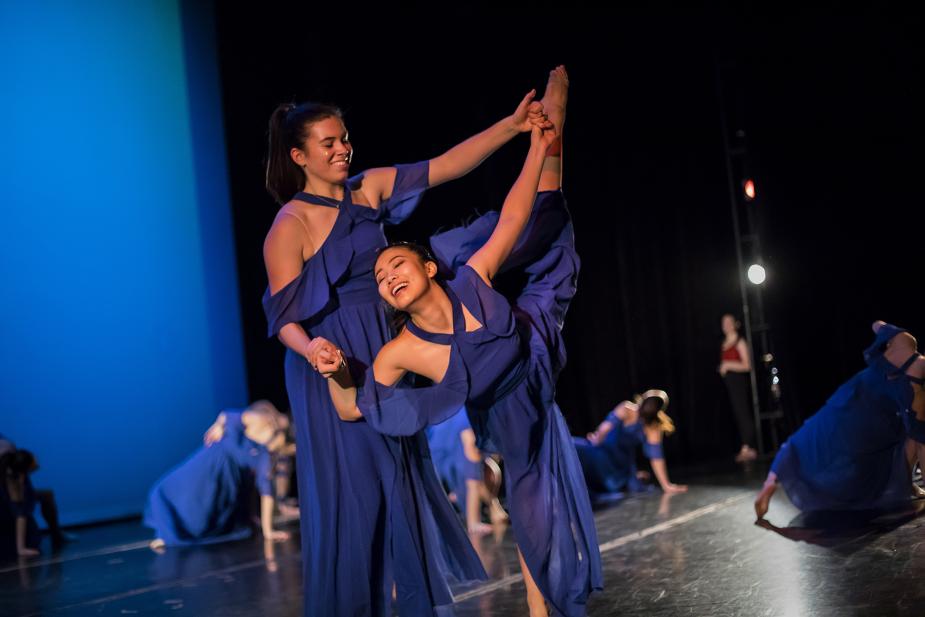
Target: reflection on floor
column 698, row 553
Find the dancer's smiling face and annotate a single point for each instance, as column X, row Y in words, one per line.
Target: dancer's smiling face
column 403, row 276
column 326, row 152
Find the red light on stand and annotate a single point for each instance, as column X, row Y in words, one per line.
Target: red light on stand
column 749, row 187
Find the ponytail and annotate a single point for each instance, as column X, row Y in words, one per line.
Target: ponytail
column 289, row 125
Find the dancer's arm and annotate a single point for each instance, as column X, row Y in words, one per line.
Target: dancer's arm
column 602, row 430
column 466, row 156
column 15, row 487
column 344, row 396
column 215, row 432
column 266, row 520
column 516, row 209
column 654, row 438
column 282, row 254
column 387, row 368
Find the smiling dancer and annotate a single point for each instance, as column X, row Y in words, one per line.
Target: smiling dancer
column 501, row 361
column 373, row 511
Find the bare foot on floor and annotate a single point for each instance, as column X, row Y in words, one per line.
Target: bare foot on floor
column 157, row 545
column 764, row 499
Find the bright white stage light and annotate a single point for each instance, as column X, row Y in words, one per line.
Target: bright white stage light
column 757, row 274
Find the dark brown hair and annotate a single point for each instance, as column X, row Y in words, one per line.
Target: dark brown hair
column 289, row 126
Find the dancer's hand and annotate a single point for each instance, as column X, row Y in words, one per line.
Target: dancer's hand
column 331, row 364
column 214, row 434
column 671, row 489
column 541, row 137
column 528, row 114
column 318, row 348
column 277, row 535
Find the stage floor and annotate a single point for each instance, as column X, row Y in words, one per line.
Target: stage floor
column 698, row 553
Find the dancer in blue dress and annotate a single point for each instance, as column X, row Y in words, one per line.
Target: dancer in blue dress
column 373, row 512
column 501, row 361
column 205, row 499
column 851, row 454
column 608, row 455
column 461, row 466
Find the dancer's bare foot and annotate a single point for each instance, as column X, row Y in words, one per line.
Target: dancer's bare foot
column 764, row 498
column 917, row 492
column 157, row 545
column 746, row 454
column 556, row 97
column 276, row 535
column 289, row 512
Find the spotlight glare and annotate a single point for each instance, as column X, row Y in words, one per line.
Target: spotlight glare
column 757, row 274
column 749, row 188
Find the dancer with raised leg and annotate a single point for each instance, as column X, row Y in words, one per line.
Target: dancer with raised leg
column 501, row 361
column 372, row 509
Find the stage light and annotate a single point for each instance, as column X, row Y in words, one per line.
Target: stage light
column 749, row 187
column 757, row 274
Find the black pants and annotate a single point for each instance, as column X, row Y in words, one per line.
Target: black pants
column 737, row 387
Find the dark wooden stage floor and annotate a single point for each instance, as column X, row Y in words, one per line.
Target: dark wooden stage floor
column 698, row 553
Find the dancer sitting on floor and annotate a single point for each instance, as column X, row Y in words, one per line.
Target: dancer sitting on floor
column 283, row 459
column 207, row 497
column 851, row 455
column 461, row 466
column 19, row 531
column 608, row 455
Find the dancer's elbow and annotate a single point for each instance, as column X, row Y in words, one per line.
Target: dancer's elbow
column 349, row 414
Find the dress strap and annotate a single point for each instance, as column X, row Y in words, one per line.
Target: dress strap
column 320, row 200
column 459, row 322
column 439, row 338
column 459, row 318
column 908, row 363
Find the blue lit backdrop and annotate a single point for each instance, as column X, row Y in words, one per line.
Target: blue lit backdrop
column 119, row 321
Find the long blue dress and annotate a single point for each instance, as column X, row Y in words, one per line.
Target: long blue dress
column 610, row 467
column 850, row 455
column 505, row 373
column 449, row 456
column 204, row 499
column 372, row 508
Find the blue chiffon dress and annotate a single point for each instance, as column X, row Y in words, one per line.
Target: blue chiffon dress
column 610, row 467
column 205, row 498
column 373, row 511
column 505, row 374
column 449, row 456
column 850, row 454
